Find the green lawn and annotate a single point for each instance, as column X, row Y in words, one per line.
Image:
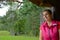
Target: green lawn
column 18, row 38
column 5, row 35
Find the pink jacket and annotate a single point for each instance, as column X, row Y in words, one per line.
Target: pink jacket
column 50, row 33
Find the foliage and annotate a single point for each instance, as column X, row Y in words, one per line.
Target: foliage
column 26, row 20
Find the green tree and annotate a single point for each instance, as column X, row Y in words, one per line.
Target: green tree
column 25, row 20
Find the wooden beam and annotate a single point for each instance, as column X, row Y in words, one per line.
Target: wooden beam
column 41, row 3
column 37, row 2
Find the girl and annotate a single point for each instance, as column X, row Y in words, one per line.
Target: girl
column 50, row 29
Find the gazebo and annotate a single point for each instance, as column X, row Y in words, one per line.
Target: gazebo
column 49, row 3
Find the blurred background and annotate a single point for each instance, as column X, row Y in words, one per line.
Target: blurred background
column 20, row 20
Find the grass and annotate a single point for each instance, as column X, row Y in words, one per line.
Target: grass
column 4, row 33
column 9, row 37
column 18, row 38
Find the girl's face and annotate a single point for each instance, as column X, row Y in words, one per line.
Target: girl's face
column 47, row 16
